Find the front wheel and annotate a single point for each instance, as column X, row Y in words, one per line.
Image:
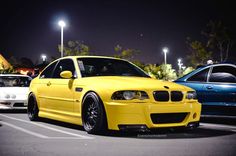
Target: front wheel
column 32, row 108
column 93, row 115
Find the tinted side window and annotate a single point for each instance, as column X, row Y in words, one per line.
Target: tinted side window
column 47, row 73
column 63, row 65
column 223, row 74
column 200, row 76
column 108, row 67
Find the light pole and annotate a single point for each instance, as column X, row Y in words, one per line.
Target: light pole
column 165, row 50
column 62, row 24
column 180, row 65
column 44, row 57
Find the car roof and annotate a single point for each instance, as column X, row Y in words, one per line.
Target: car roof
column 87, row 56
column 216, row 64
column 76, row 57
column 200, row 68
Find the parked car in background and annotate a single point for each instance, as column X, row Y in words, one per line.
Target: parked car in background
column 14, row 91
column 107, row 93
column 215, row 86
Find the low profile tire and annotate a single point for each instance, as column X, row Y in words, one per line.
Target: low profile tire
column 32, row 108
column 93, row 114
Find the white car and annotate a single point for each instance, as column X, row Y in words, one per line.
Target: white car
column 13, row 91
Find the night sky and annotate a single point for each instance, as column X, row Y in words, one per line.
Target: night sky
column 29, row 28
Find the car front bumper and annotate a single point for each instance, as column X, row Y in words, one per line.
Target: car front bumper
column 13, row 104
column 151, row 115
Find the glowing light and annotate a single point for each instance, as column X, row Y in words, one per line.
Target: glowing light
column 44, row 57
column 165, row 50
column 61, row 23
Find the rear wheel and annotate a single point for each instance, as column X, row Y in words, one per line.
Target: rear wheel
column 93, row 115
column 32, row 108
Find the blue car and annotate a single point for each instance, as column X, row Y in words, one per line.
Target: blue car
column 215, row 85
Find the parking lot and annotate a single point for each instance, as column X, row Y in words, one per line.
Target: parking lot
column 19, row 136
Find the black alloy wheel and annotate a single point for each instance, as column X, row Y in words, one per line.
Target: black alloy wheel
column 93, row 115
column 32, row 108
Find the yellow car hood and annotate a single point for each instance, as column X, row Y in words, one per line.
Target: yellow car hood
column 123, row 83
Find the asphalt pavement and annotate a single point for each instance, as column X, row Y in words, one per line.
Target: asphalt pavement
column 21, row 137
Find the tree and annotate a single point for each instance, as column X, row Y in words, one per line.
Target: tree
column 167, row 72
column 152, row 70
column 13, row 61
column 26, row 62
column 187, row 70
column 218, row 38
column 164, row 72
column 198, row 53
column 139, row 64
column 22, row 62
column 127, row 54
column 74, row 48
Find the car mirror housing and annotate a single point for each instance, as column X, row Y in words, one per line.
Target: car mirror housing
column 66, row 74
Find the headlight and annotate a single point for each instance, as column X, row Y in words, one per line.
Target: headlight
column 13, row 96
column 7, row 96
column 129, row 95
column 191, row 95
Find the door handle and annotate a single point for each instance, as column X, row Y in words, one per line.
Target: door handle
column 49, row 83
column 209, row 87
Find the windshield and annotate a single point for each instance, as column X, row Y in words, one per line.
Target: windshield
column 14, row 81
column 108, row 67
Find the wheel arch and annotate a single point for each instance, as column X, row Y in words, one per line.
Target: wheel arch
column 101, row 101
column 91, row 91
column 35, row 96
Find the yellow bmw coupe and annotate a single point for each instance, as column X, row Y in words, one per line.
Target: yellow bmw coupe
column 102, row 93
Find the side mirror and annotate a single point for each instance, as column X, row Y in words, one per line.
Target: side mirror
column 66, row 74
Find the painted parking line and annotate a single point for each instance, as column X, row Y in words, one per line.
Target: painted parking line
column 231, row 128
column 37, row 134
column 50, row 128
column 25, row 130
column 217, row 125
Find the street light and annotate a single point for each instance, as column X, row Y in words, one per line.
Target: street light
column 209, row 62
column 165, row 50
column 179, row 60
column 180, row 65
column 44, row 57
column 62, row 24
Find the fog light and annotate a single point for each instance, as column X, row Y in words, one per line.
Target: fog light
column 137, row 128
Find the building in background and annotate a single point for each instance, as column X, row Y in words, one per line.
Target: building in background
column 4, row 64
column 21, row 67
